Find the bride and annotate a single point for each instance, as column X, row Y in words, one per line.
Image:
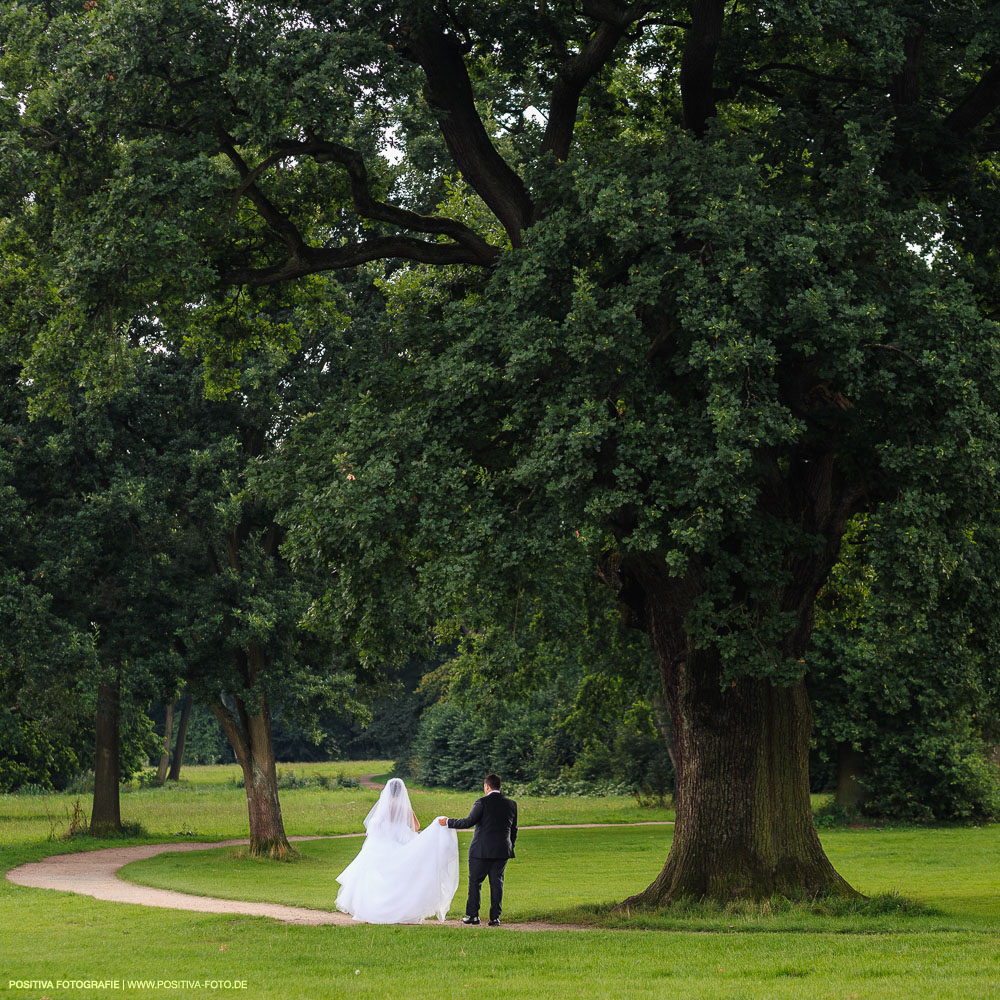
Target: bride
column 400, row 876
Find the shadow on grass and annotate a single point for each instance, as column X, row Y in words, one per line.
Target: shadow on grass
column 131, row 830
column 831, row 914
column 281, row 856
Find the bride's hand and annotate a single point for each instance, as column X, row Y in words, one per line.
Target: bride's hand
column 416, row 822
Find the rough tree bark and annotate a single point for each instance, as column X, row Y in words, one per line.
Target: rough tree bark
column 746, row 827
column 168, row 735
column 180, row 742
column 249, row 733
column 105, row 817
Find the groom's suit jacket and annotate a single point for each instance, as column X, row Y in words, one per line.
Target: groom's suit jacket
column 495, row 818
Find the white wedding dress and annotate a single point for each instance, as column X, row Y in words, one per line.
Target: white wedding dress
column 400, row 876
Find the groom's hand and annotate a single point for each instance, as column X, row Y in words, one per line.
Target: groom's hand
column 443, row 820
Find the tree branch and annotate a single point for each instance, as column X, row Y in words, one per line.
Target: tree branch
column 805, row 71
column 578, row 70
column 468, row 246
column 663, row 22
column 449, row 93
column 366, row 205
column 312, row 260
column 905, row 86
column 698, row 63
column 233, row 731
column 978, row 104
column 278, row 221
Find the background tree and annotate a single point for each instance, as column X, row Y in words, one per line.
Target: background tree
column 88, row 543
column 180, row 742
column 901, row 670
column 242, row 603
column 688, row 322
column 555, row 696
column 103, row 537
column 149, row 530
column 43, row 719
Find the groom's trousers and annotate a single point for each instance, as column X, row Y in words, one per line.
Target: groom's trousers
column 479, row 869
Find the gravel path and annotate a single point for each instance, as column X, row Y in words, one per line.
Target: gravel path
column 95, row 873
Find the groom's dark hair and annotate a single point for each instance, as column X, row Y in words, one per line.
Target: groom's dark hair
column 493, row 780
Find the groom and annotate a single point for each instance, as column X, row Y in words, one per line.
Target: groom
column 495, row 818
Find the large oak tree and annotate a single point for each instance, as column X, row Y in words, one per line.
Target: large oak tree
column 683, row 285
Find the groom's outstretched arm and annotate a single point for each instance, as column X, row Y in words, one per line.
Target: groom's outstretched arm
column 471, row 820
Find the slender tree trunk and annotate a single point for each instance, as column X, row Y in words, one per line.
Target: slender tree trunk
column 181, row 741
column 850, row 764
column 168, row 735
column 105, row 818
column 250, row 736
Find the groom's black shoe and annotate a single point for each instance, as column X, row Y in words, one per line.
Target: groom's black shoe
column 494, row 923
column 470, row 920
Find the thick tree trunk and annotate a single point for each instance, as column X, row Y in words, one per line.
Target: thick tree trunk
column 181, row 741
column 105, row 817
column 250, row 736
column 168, row 735
column 744, row 829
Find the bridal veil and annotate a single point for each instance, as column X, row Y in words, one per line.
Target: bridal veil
column 400, row 876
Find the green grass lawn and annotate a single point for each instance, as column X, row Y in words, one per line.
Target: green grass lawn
column 931, row 867
column 952, row 952
column 216, row 774
column 206, row 804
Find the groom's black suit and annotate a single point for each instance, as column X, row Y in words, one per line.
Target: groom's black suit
column 495, row 818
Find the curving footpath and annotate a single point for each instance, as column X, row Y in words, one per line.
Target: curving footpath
column 95, row 873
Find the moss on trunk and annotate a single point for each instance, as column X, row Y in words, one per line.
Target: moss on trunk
column 745, row 827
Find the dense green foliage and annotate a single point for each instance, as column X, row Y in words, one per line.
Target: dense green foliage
column 146, row 545
column 89, row 551
column 902, row 667
column 700, row 308
column 575, row 713
column 535, row 746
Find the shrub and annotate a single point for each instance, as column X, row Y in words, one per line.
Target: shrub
column 568, row 788
column 289, row 779
column 33, row 754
